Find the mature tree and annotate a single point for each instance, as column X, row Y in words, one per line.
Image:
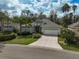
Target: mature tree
column 74, row 7
column 66, row 21
column 34, row 18
column 53, row 17
column 41, row 15
column 26, row 13
column 19, row 20
column 3, row 17
column 66, row 8
column 7, row 18
column 22, row 20
column 70, row 17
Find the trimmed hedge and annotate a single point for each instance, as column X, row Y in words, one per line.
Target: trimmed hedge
column 7, row 37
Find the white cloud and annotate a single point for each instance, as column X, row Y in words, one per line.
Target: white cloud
column 43, row 5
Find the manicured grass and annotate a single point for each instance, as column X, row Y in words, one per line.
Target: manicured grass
column 25, row 40
column 68, row 47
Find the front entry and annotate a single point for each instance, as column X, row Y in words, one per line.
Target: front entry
column 38, row 29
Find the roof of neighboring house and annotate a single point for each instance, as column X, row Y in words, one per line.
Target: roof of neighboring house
column 75, row 25
column 46, row 23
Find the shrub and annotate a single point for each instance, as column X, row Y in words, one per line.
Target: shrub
column 7, row 32
column 36, row 35
column 15, row 30
column 7, row 37
column 24, row 33
column 68, row 35
column 76, row 40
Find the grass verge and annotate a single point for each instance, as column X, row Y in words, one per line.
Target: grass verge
column 68, row 47
column 25, row 40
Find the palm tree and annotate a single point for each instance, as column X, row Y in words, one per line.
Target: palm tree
column 53, row 17
column 26, row 13
column 3, row 18
column 41, row 15
column 71, row 17
column 7, row 18
column 65, row 8
column 17, row 20
column 22, row 20
column 74, row 7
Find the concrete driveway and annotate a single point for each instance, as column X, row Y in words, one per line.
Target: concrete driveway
column 47, row 41
column 28, row 52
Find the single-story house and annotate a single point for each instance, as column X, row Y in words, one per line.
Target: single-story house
column 47, row 27
column 75, row 28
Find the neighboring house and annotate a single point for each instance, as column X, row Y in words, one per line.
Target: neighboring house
column 16, row 26
column 75, row 28
column 47, row 27
column 7, row 27
column 27, row 28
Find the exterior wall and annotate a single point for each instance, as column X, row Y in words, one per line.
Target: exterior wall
column 16, row 26
column 11, row 26
column 28, row 29
column 8, row 28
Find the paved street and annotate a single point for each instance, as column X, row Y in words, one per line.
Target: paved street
column 27, row 52
column 47, row 41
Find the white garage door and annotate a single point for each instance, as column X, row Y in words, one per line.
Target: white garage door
column 50, row 32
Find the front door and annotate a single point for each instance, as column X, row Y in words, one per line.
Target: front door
column 38, row 29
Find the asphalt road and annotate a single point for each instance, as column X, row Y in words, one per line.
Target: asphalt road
column 29, row 52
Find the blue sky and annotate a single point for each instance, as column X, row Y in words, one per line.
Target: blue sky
column 75, row 1
column 14, row 7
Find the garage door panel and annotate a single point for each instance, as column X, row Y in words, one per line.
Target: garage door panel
column 50, row 32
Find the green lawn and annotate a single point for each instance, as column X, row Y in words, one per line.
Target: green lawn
column 68, row 47
column 25, row 40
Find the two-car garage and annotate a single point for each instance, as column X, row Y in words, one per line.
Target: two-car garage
column 50, row 28
column 47, row 27
column 51, row 32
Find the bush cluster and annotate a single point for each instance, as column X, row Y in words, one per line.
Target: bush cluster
column 69, row 36
column 36, row 36
column 7, row 37
column 6, row 32
column 15, row 30
column 24, row 33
